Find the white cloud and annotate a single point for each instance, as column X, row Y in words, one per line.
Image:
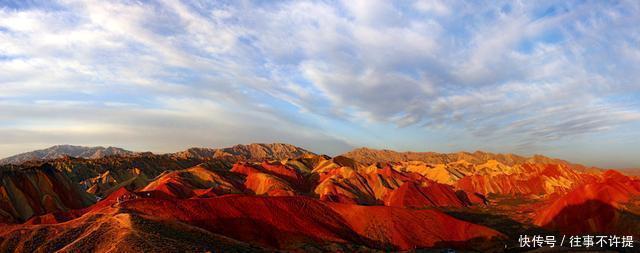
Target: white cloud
column 522, row 72
column 435, row 6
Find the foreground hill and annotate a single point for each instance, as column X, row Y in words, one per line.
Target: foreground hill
column 242, row 223
column 60, row 151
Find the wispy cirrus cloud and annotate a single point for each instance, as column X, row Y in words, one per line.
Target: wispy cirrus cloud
column 524, row 76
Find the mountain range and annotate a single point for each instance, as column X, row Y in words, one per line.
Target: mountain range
column 280, row 151
column 279, row 197
column 59, row 151
column 253, row 151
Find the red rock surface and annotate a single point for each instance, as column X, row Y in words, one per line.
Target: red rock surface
column 196, row 181
column 283, row 222
column 594, row 207
column 409, row 229
column 311, row 202
column 527, row 179
column 414, row 196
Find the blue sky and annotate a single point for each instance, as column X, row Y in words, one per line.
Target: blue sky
column 559, row 78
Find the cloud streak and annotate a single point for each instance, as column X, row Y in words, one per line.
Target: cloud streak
column 326, row 74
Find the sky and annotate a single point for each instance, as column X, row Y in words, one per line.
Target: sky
column 559, row 78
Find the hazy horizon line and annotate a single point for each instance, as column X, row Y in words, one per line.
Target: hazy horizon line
column 318, row 153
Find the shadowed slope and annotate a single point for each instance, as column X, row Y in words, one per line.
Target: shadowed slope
column 592, row 217
column 36, row 191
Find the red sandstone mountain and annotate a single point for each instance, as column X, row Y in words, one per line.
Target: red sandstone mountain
column 434, row 195
column 287, row 223
column 101, row 175
column 288, row 198
column 595, row 207
column 196, row 182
